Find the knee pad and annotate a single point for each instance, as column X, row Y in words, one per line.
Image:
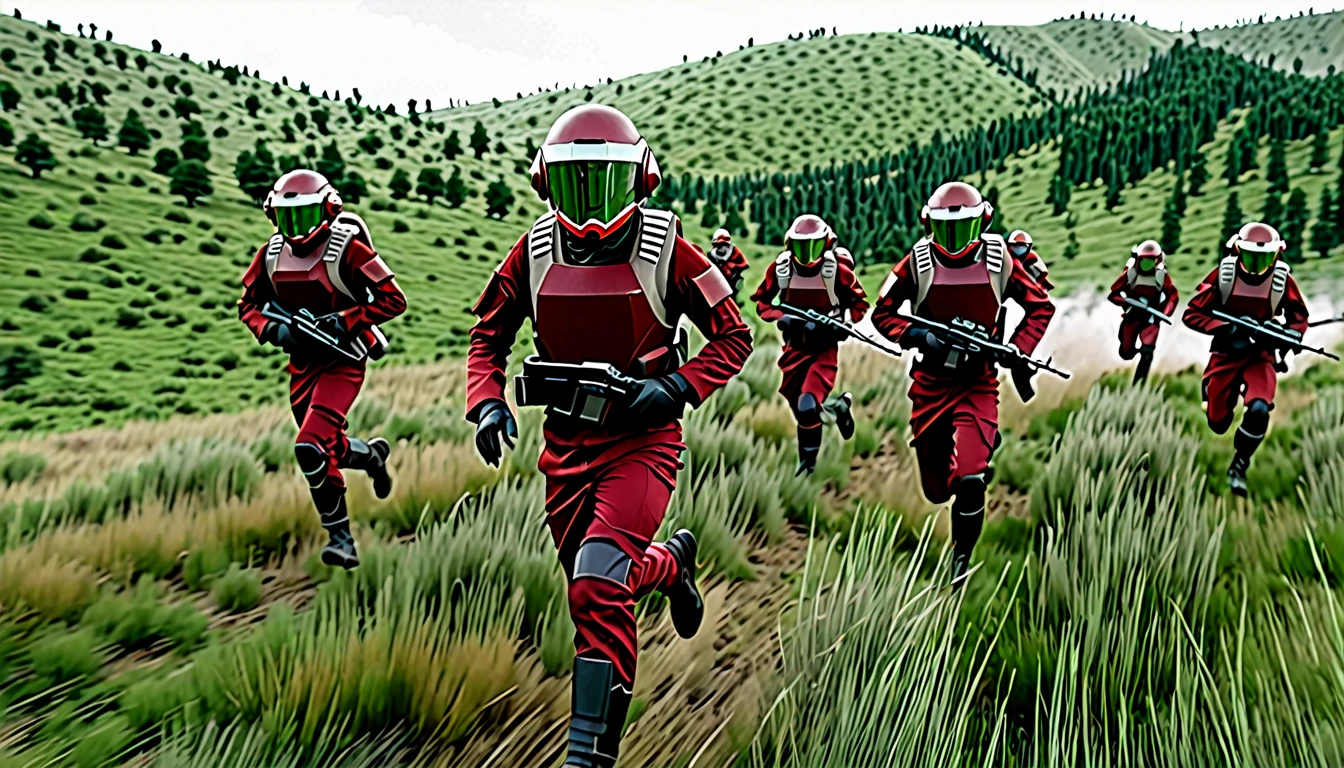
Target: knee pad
column 808, row 409
column 312, row 462
column 601, row 559
column 1256, row 419
column 970, row 491
column 936, row 493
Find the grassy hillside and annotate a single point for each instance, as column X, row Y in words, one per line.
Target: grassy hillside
column 785, row 105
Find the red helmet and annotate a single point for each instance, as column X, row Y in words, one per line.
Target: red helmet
column 595, row 169
column 301, row 204
column 721, row 236
column 808, row 239
column 1019, row 243
column 1148, row 255
column 1257, row 246
column 955, row 216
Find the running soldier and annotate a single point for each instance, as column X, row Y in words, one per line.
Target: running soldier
column 1148, row 296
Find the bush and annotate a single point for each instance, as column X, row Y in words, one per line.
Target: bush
column 210, row 248
column 135, row 619
column 237, row 590
column 66, row 656
column 93, row 256
column 113, row 242
column 34, row 303
column 203, row 565
column 16, row 467
column 41, row 221
column 129, row 318
column 83, row 222
column 18, row 363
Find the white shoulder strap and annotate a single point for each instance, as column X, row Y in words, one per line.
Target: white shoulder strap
column 923, row 253
column 334, row 253
column 783, row 271
column 829, row 270
column 1227, row 277
column 541, row 253
column 1161, row 277
column 998, row 263
column 273, row 248
column 652, row 262
column 1278, row 285
column 1131, row 272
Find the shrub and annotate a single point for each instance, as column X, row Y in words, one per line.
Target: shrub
column 66, row 656
column 210, row 248
column 41, row 221
column 18, row 363
column 17, row 467
column 135, row 619
column 113, row 242
column 237, row 590
column 203, row 565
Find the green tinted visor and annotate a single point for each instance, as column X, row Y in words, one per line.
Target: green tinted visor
column 298, row 221
column 1147, row 264
column 591, row 190
column 955, row 234
column 1256, row 262
column 807, row 252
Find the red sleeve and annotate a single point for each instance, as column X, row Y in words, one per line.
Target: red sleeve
column 257, row 290
column 1118, row 287
column 1037, row 305
column 366, row 270
column 899, row 288
column 1293, row 307
column 1173, row 296
column 1206, row 297
column 765, row 297
column 499, row 312
column 702, row 294
column 851, row 293
column 737, row 264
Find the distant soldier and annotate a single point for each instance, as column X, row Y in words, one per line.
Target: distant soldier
column 728, row 258
column 1024, row 251
column 956, row 280
column 812, row 274
column 319, row 291
column 1252, row 289
column 1148, row 296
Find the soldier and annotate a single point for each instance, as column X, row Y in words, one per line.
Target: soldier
column 1253, row 284
column 1145, row 291
column 319, row 290
column 812, row 273
column 605, row 281
column 959, row 277
column 728, row 258
column 1022, row 248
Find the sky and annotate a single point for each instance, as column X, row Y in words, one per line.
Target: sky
column 395, row 50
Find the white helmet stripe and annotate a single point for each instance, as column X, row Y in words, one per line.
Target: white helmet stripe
column 964, row 212
column 606, row 151
column 298, row 200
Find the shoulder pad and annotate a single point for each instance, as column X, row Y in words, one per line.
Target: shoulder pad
column 657, row 226
column 995, row 248
column 783, row 263
column 362, row 228
column 273, row 248
column 842, row 253
column 541, row 238
column 1281, row 272
column 828, row 265
column 923, row 253
column 342, row 232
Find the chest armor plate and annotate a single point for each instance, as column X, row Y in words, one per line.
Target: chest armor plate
column 303, row 283
column 962, row 292
column 1250, row 300
column 808, row 292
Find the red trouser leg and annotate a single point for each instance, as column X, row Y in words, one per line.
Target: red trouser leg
column 320, row 399
column 1129, row 339
column 607, row 552
column 954, row 447
column 1228, row 377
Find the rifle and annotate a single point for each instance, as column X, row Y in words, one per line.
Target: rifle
column 585, row 392
column 1271, row 331
column 1143, row 305
column 965, row 338
column 305, row 326
column 1326, row 321
column 835, row 325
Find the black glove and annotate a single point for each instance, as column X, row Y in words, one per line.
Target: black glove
column 660, row 400
column 1236, row 337
column 494, row 429
column 279, row 335
column 921, row 338
column 797, row 331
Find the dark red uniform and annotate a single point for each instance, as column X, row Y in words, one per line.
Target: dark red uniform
column 810, row 365
column 1242, row 370
column 733, row 266
column 611, row 483
column 1138, row 328
column 322, row 388
column 1036, row 270
column 954, row 418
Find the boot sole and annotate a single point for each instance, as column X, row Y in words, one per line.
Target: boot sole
column 338, row 559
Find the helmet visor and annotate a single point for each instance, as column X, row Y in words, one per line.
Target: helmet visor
column 955, row 234
column 298, row 220
column 807, row 252
column 1019, row 249
column 1256, row 262
column 1147, row 263
column 591, row 190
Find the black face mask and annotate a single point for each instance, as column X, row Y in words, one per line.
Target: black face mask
column 591, row 251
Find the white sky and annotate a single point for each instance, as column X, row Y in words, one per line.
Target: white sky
column 394, row 50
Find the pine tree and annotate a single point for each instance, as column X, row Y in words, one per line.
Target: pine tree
column 91, row 123
column 1295, row 225
column 164, row 160
column 1320, row 150
column 498, row 199
column 429, row 183
column 195, row 148
column 1339, row 200
column 1061, row 191
column 400, row 184
column 452, row 146
column 1323, row 234
column 9, row 96
column 6, row 133
column 255, row 177
column 134, row 136
column 36, row 154
column 1199, row 173
column 1172, row 214
column 331, row 164
column 185, row 108
column 352, row 187
column 252, row 104
column 191, row 180
column 1277, row 171
column 1071, row 248
column 1273, row 211
column 480, row 140
column 1233, row 218
column 733, row 221
column 455, row 189
column 710, row 218
column 1232, row 170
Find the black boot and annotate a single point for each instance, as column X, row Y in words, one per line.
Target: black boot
column 968, row 518
column 809, row 448
column 371, row 458
column 1247, row 439
column 1145, row 363
column 329, row 499
column 598, row 710
column 340, row 549
column 687, row 606
column 844, row 416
